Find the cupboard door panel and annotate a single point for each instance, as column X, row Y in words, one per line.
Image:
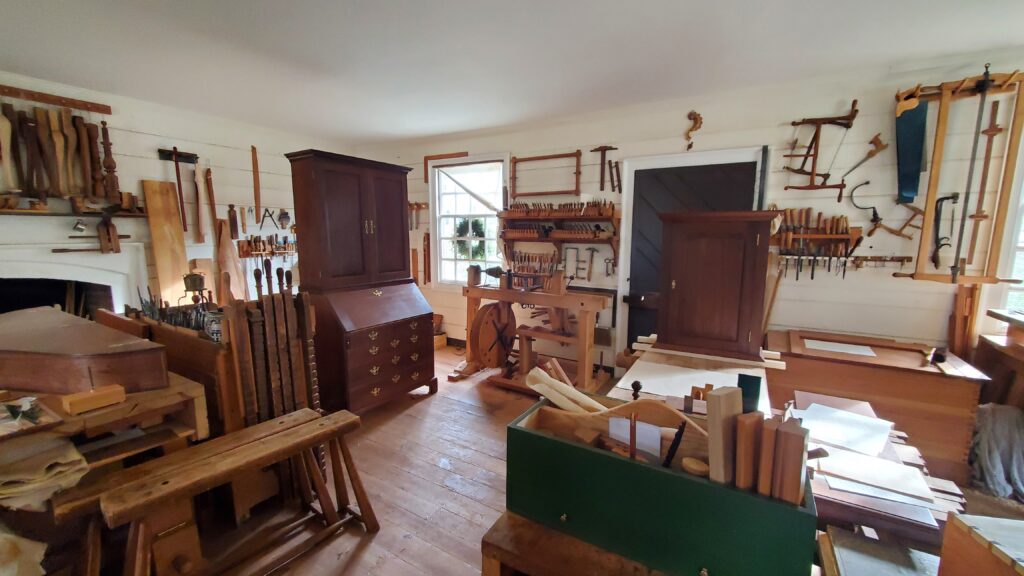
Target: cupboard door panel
column 343, row 206
column 391, row 226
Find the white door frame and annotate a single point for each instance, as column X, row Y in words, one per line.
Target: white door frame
column 630, row 166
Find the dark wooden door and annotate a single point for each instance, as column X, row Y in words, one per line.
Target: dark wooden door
column 711, row 187
column 390, row 226
column 345, row 212
column 714, row 272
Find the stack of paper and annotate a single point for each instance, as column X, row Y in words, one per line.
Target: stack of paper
column 34, row 467
column 846, row 429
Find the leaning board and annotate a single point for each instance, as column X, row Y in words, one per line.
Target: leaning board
column 168, row 238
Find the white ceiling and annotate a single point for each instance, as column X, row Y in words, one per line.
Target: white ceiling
column 370, row 70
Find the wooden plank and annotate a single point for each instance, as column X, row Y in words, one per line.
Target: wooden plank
column 724, row 406
column 258, row 337
column 287, row 390
column 932, row 194
column 270, row 329
column 241, row 352
column 84, row 499
column 572, row 301
column 122, row 323
column 228, row 262
column 791, row 461
column 748, row 449
column 294, row 346
column 167, row 238
column 1006, row 184
column 54, row 100
column 168, row 482
column 766, row 458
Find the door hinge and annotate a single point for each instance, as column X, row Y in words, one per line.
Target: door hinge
column 373, row 227
column 758, row 241
column 748, row 336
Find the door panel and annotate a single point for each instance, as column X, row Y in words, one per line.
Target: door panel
column 717, row 187
column 343, row 205
column 391, row 226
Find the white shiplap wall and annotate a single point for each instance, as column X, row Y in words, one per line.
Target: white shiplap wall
column 868, row 301
column 137, row 130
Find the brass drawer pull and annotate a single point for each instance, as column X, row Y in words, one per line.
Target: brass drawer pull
column 375, row 370
column 396, row 378
column 414, row 338
column 414, row 356
column 395, row 360
column 378, row 292
column 395, row 343
column 415, row 375
column 374, row 350
column 413, row 324
column 373, row 334
column 375, row 392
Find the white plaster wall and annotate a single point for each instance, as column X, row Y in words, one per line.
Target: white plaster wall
column 137, row 130
column 868, row 301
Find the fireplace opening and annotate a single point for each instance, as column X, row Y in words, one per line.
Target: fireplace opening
column 78, row 298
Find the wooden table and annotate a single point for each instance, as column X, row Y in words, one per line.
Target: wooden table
column 935, row 405
column 515, row 544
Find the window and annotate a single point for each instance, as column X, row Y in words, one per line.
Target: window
column 1015, row 292
column 468, row 197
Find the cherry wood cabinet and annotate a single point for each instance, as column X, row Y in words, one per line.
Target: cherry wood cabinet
column 354, row 220
column 374, row 328
column 714, row 271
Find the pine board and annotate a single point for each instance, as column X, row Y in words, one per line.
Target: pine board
column 167, row 237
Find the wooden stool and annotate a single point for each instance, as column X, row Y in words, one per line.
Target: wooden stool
column 515, row 544
column 156, row 497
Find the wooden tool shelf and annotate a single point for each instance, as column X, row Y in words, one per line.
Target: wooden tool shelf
column 614, row 219
column 28, row 212
column 559, row 242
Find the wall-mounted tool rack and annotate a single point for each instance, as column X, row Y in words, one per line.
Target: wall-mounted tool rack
column 513, row 188
column 570, row 223
column 946, row 93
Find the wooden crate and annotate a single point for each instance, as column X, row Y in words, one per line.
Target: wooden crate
column 664, row 519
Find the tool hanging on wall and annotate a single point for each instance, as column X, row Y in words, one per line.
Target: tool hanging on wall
column 876, row 146
column 515, row 162
column 939, row 241
column 831, row 241
column 70, row 149
column 946, row 94
column 426, row 258
column 696, row 122
column 59, row 146
column 99, row 186
column 15, row 148
column 5, row 150
column 83, row 155
column 604, row 151
column 414, row 214
column 35, row 176
column 197, row 177
column 49, row 152
column 876, row 220
column 268, row 213
column 181, row 195
column 233, row 221
column 813, row 149
column 990, row 133
column 981, row 87
column 590, row 263
column 255, row 180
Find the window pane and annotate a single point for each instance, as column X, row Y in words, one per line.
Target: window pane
column 447, row 249
column 1018, row 264
column 1015, row 300
column 467, row 229
column 447, row 228
column 448, row 271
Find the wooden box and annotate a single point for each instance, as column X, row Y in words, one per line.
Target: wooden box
column 372, row 345
column 665, row 519
column 975, row 545
column 934, row 406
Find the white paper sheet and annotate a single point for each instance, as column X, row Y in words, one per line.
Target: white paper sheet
column 669, row 380
column 844, row 485
column 648, row 436
column 846, row 429
column 855, row 349
column 874, row 472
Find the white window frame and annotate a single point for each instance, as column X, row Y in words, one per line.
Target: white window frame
column 996, row 295
column 435, row 253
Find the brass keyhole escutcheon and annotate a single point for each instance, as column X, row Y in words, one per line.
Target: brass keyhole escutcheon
column 373, row 335
column 374, row 350
column 375, row 370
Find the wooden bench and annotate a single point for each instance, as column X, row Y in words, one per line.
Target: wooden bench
column 155, row 498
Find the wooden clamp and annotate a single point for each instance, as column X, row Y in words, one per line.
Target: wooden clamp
column 514, row 193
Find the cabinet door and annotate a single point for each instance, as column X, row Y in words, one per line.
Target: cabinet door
column 390, row 227
column 714, row 285
column 345, row 205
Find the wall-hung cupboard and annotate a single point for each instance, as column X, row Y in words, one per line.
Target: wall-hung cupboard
column 714, row 269
column 373, row 340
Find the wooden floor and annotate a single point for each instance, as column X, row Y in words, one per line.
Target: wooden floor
column 434, row 467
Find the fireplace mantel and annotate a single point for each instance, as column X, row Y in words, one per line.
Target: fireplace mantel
column 124, row 272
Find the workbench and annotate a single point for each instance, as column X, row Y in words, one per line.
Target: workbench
column 934, row 404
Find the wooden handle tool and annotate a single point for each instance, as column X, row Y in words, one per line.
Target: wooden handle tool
column 181, row 195
column 288, row 280
column 280, row 280
column 256, row 181
column 267, row 269
column 110, row 166
column 257, row 274
column 198, row 178
column 34, row 182
column 233, row 221
column 70, row 151
column 211, row 197
column 15, row 149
